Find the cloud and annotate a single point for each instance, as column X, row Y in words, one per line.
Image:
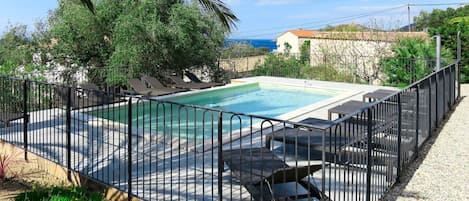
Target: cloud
column 277, row 2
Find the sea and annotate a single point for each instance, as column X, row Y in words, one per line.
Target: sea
column 257, row 43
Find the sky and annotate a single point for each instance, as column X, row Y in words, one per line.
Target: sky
column 266, row 19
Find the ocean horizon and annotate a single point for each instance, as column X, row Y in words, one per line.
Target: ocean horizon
column 257, row 43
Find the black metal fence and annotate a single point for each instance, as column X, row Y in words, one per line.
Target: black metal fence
column 329, row 67
column 160, row 150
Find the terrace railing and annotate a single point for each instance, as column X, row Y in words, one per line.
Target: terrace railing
column 159, row 150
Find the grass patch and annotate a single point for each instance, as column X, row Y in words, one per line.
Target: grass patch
column 59, row 194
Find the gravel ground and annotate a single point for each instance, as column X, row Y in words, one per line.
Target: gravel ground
column 442, row 172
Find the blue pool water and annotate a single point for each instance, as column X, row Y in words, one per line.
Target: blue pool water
column 254, row 99
column 195, row 124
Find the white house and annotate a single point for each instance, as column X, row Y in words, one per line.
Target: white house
column 360, row 51
column 294, row 38
column 345, row 42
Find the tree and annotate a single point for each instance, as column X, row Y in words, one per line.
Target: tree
column 216, row 7
column 413, row 59
column 448, row 23
column 125, row 38
column 15, row 49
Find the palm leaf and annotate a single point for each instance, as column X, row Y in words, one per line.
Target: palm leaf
column 216, row 7
column 224, row 14
column 89, row 5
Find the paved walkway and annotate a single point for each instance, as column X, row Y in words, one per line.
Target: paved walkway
column 443, row 173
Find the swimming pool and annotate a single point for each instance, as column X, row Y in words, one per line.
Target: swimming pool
column 260, row 99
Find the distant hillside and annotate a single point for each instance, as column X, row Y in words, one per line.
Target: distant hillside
column 406, row 27
column 348, row 28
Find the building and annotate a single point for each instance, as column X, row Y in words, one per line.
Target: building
column 359, row 52
column 345, row 41
column 294, row 39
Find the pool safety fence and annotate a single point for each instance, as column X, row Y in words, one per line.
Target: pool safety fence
column 350, row 68
column 160, row 150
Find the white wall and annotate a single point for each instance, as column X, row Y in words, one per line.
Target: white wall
column 291, row 39
column 361, row 56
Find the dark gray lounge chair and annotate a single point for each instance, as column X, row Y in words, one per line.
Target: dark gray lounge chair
column 195, row 79
column 141, row 89
column 312, row 139
column 84, row 98
column 346, row 108
column 377, row 95
column 179, row 83
column 258, row 169
column 6, row 117
column 155, row 84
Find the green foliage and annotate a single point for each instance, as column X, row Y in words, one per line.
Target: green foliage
column 59, row 194
column 345, row 28
column 126, row 38
column 80, row 36
column 242, row 49
column 447, row 23
column 465, row 74
column 458, row 20
column 413, row 59
column 286, row 66
column 305, row 52
column 15, row 49
column 287, row 48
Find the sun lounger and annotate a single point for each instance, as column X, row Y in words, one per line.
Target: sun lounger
column 6, row 118
column 377, row 95
column 84, row 98
column 346, row 108
column 195, row 79
column 259, row 170
column 155, row 84
column 179, row 83
column 141, row 89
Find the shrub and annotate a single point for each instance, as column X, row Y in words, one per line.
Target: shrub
column 290, row 66
column 413, row 59
column 59, row 194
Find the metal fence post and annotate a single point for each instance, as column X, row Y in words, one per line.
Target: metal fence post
column 438, row 52
column 430, row 106
column 129, row 150
column 68, row 120
column 399, row 135
column 444, row 93
column 369, row 149
column 459, row 65
column 436, row 99
column 25, row 118
column 220, row 156
column 417, row 121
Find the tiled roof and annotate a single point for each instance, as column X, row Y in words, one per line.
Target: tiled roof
column 302, row 33
column 369, row 36
column 366, row 36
